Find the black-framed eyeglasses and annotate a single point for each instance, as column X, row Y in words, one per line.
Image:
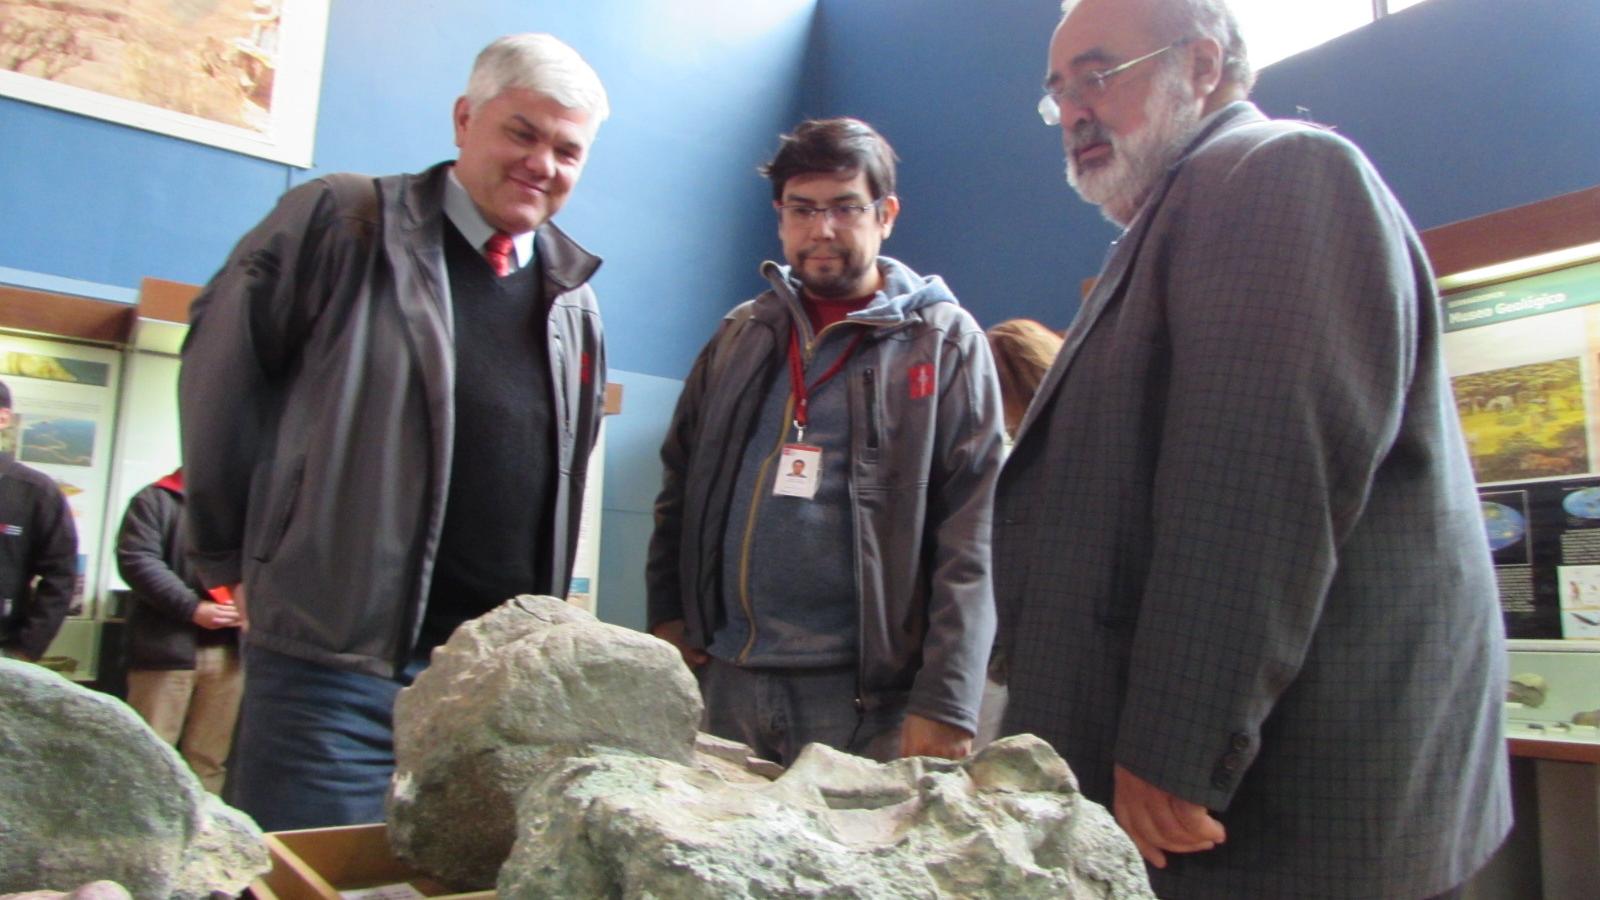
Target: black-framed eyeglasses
column 1090, row 87
column 841, row 215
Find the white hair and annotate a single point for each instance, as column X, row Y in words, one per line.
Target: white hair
column 1179, row 19
column 540, row 63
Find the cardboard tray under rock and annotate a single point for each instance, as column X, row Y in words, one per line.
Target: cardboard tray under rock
column 321, row 863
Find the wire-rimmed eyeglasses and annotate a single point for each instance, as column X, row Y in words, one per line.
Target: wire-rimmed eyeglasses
column 842, row 215
column 1090, row 87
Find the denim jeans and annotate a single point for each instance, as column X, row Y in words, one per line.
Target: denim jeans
column 315, row 745
column 777, row 712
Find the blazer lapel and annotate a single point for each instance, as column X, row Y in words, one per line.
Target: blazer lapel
column 1108, row 286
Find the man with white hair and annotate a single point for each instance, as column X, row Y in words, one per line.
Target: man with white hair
column 389, row 394
column 1241, row 576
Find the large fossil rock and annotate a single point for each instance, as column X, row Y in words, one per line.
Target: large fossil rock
column 1007, row 822
column 88, row 792
column 534, row 677
column 570, row 746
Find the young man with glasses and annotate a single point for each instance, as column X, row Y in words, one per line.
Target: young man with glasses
column 1241, row 575
column 848, row 604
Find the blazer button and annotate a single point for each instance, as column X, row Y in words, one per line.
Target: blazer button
column 1220, row 780
column 1240, row 741
column 1232, row 762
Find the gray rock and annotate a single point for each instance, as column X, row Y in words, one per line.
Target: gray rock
column 570, row 746
column 534, row 677
column 1007, row 822
column 88, row 792
column 94, row 890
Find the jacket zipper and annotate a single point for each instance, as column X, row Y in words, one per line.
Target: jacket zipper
column 870, row 387
column 745, row 603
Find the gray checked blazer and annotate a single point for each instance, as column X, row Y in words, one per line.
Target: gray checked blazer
column 1237, row 544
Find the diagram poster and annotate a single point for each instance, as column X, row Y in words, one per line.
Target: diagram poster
column 1524, row 360
column 63, row 400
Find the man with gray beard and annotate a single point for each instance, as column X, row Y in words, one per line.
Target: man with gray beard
column 1241, row 576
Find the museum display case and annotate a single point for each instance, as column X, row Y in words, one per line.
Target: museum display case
column 1521, row 295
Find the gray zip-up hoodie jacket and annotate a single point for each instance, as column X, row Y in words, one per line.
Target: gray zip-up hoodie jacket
column 924, row 447
column 317, row 401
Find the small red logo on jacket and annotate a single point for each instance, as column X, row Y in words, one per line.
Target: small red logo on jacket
column 921, row 380
column 585, row 369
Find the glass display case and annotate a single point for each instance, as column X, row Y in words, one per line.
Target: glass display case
column 1521, row 295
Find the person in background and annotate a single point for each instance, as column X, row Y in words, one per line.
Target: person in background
column 183, row 640
column 1243, row 583
column 389, row 395
column 850, row 607
column 1023, row 351
column 38, row 554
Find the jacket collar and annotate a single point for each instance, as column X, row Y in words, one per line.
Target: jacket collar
column 562, row 259
column 172, row 482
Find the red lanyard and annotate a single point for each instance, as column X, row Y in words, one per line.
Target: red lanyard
column 797, row 378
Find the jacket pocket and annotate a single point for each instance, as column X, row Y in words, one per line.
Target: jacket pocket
column 869, row 391
column 278, row 524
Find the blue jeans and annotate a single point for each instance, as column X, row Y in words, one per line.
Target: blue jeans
column 779, row 711
column 314, row 745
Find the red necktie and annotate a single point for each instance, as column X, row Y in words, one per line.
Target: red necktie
column 497, row 250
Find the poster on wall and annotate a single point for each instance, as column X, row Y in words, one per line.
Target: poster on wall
column 1524, row 360
column 63, row 400
column 243, row 75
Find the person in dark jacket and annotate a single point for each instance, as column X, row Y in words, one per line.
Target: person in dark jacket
column 183, row 644
column 38, row 554
column 850, row 606
column 389, row 396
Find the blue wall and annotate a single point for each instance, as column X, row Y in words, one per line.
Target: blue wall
column 1466, row 107
column 952, row 84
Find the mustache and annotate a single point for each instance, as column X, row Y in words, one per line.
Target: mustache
column 1089, row 132
column 827, row 250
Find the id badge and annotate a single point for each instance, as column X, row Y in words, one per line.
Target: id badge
column 799, row 471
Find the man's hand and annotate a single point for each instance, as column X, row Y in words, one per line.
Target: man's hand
column 236, row 600
column 671, row 631
column 212, row 616
column 1158, row 821
column 926, row 737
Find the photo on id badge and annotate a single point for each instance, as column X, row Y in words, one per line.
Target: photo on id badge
column 799, row 470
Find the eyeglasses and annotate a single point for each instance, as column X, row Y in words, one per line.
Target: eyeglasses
column 840, row 216
column 1090, row 87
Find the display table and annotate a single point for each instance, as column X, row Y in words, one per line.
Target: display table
column 326, row 863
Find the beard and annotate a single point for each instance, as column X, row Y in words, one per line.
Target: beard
column 1138, row 160
column 845, row 283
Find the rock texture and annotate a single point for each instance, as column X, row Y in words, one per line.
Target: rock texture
column 571, row 746
column 94, row 890
column 1007, row 822
column 536, row 677
column 88, row 792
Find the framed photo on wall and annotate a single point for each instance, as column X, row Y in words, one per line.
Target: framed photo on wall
column 243, row 75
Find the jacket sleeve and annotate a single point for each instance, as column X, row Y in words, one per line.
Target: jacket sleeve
column 142, row 555
column 663, row 584
column 1293, row 324
column 961, row 480
column 245, row 334
column 55, row 563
